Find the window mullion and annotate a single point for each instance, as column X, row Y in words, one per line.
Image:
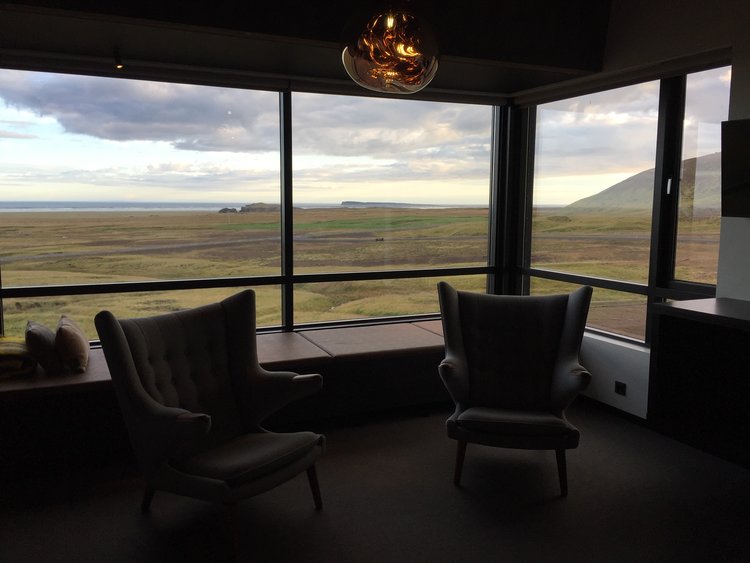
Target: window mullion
column 525, row 138
column 666, row 189
column 287, row 210
column 497, row 243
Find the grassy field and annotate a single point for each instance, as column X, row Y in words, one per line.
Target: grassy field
column 53, row 248
column 99, row 247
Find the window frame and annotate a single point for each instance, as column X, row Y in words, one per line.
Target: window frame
column 508, row 269
column 662, row 284
column 287, row 278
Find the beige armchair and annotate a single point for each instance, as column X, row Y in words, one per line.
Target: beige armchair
column 511, row 367
column 194, row 398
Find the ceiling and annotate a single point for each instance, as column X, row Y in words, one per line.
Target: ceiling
column 500, row 48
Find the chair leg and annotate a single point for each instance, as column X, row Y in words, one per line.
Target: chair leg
column 562, row 472
column 312, row 477
column 148, row 494
column 460, row 455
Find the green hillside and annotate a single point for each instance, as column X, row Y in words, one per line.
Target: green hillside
column 636, row 192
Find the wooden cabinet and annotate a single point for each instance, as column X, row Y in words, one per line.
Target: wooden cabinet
column 699, row 387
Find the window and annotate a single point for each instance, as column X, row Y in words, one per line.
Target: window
column 699, row 214
column 145, row 197
column 593, row 194
column 122, row 181
column 386, row 185
column 598, row 160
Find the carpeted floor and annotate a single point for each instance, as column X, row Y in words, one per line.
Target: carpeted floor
column 388, row 497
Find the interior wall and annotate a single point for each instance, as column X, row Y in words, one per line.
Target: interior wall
column 611, row 361
column 734, row 259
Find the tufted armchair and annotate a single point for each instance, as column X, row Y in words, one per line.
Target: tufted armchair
column 194, row 397
column 511, row 368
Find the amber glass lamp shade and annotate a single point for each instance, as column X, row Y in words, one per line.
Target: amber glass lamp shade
column 395, row 53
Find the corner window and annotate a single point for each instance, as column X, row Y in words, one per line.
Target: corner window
column 593, row 195
column 699, row 211
column 593, row 221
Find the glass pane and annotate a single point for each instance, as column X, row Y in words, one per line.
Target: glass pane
column 333, row 301
column 83, row 308
column 612, row 311
column 706, row 106
column 381, row 238
column 105, row 179
column 594, row 183
column 389, row 184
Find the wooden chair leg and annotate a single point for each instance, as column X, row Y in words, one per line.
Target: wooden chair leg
column 562, row 472
column 312, row 477
column 460, row 455
column 148, row 494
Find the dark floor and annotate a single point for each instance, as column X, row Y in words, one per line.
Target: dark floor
column 388, row 496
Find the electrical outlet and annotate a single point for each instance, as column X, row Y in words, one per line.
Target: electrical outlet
column 621, row 388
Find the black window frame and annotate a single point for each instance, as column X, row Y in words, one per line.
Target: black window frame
column 662, row 284
column 287, row 278
column 508, row 269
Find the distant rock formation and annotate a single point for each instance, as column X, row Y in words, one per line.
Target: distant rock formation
column 252, row 208
column 255, row 207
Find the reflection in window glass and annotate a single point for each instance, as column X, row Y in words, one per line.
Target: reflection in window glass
column 335, row 301
column 389, row 184
column 594, row 182
column 105, row 179
column 83, row 308
column 611, row 311
column 706, row 106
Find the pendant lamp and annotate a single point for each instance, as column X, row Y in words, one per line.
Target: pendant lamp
column 396, row 53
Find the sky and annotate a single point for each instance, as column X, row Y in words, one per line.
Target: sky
column 587, row 144
column 80, row 138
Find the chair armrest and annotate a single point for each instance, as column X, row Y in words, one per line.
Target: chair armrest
column 456, row 379
column 272, row 390
column 195, row 418
column 570, row 378
column 167, row 432
column 307, row 384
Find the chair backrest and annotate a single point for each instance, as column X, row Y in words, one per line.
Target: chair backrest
column 511, row 345
column 182, row 361
column 187, row 359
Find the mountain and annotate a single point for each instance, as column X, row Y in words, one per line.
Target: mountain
column 636, row 192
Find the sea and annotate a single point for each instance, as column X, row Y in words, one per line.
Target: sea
column 63, row 206
column 58, row 206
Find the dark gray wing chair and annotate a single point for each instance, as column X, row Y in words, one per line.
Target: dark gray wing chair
column 194, row 397
column 511, row 367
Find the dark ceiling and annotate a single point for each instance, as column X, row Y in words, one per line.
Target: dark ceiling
column 536, row 41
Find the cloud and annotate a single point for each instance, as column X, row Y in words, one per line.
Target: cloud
column 187, row 116
column 602, row 133
column 13, row 135
column 387, row 128
column 16, row 129
column 202, row 118
column 708, row 96
column 615, row 131
column 177, row 176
